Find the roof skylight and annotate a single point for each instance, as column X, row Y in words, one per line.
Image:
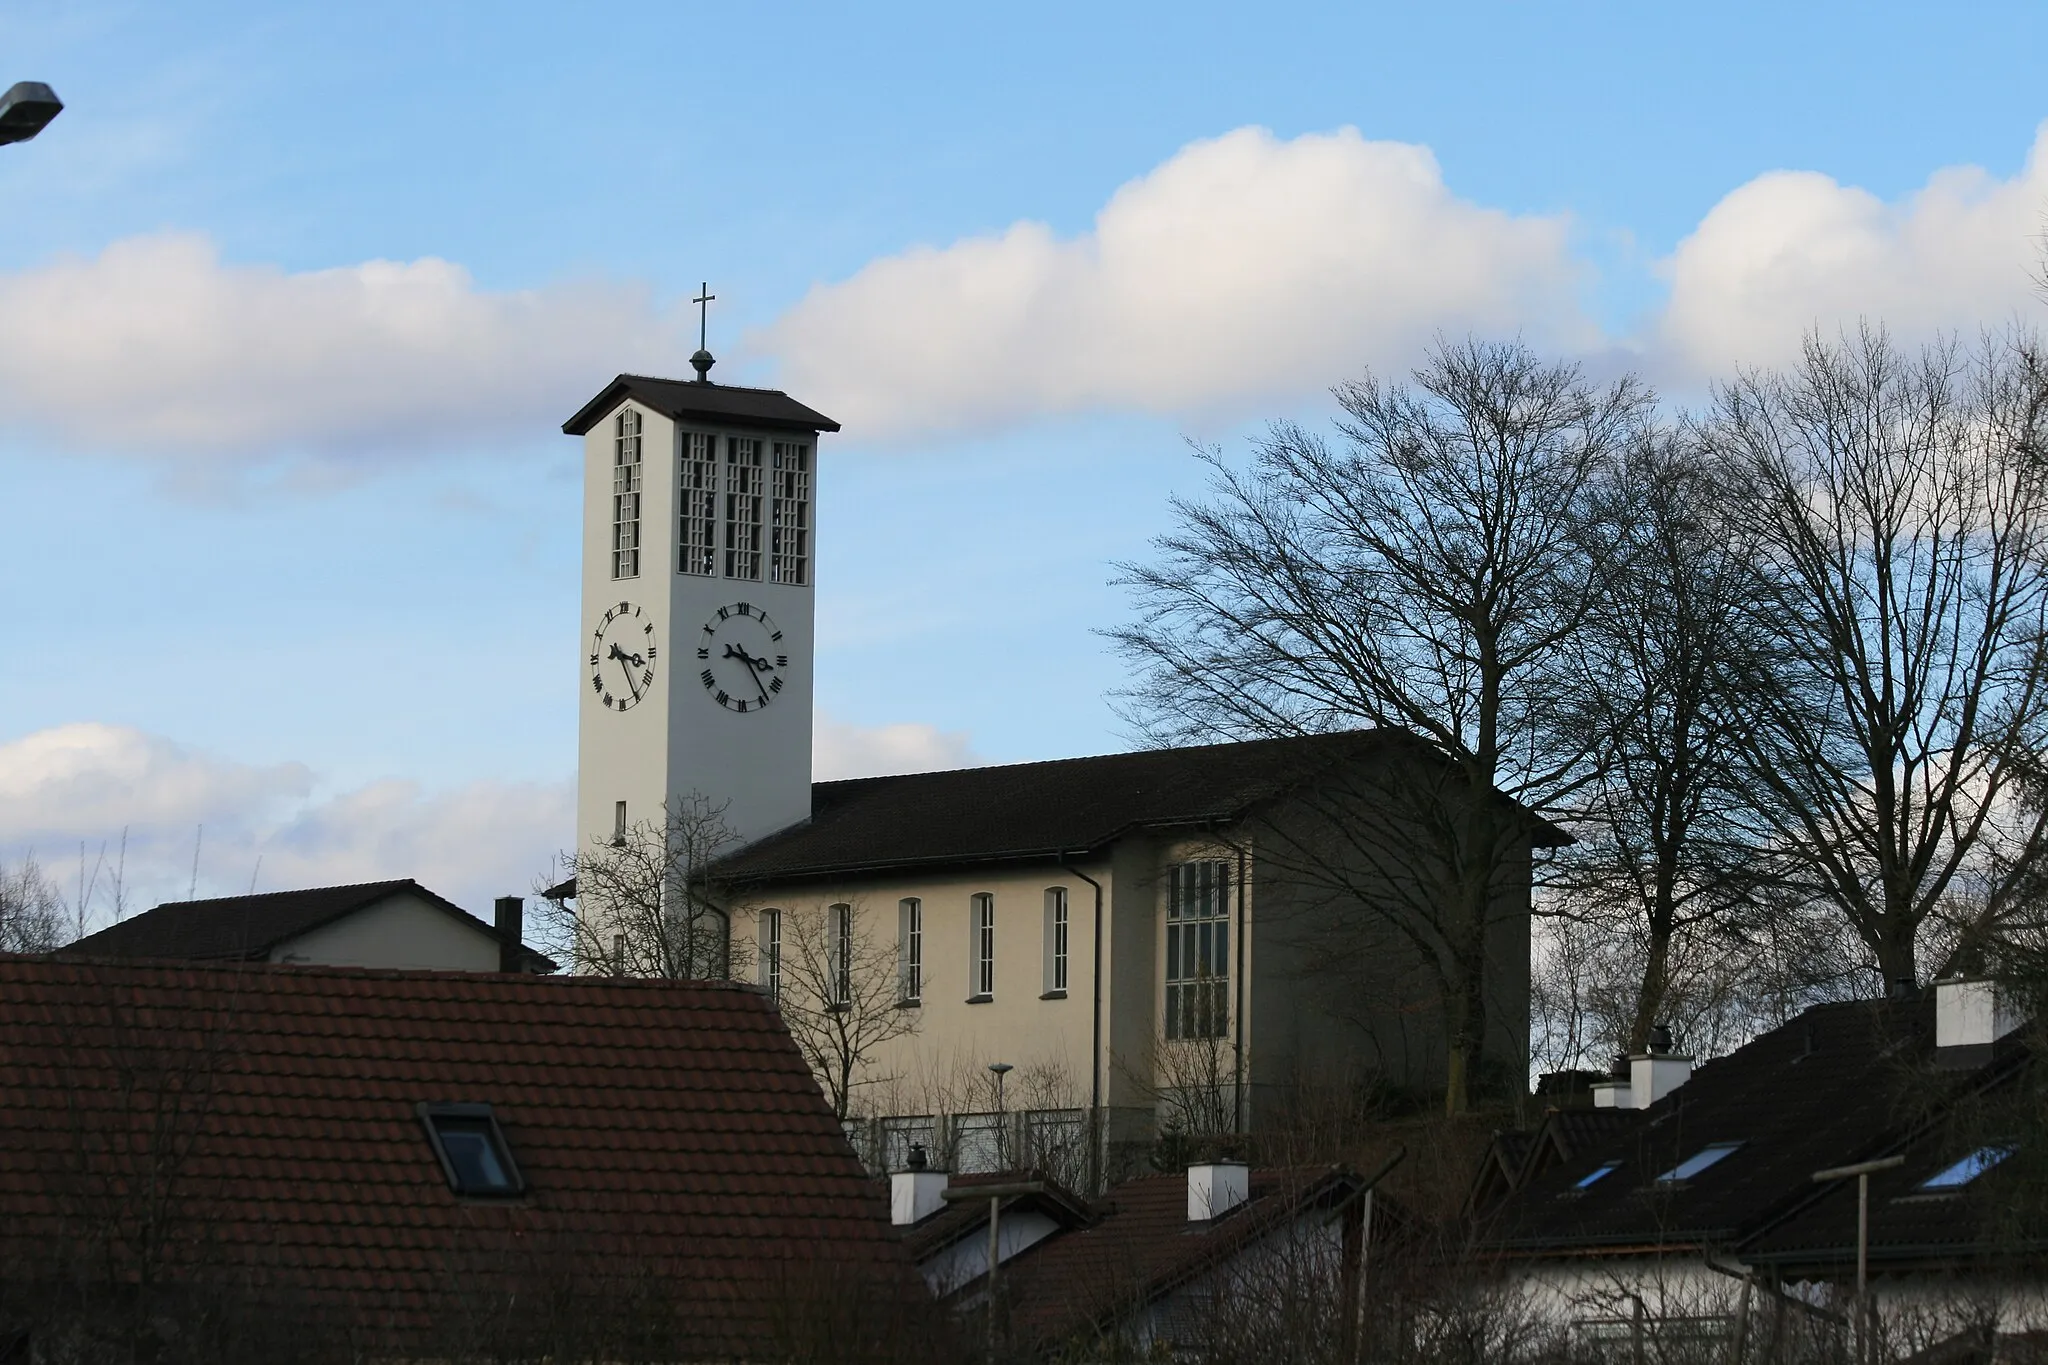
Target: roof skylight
column 472, row 1149
column 1599, row 1173
column 1697, row 1162
column 1968, row 1169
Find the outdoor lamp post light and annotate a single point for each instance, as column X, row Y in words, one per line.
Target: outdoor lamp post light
column 1001, row 1069
column 1862, row 1171
column 26, row 109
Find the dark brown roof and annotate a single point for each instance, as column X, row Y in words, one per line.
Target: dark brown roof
column 685, row 400
column 1041, row 810
column 249, row 928
column 669, row 1133
column 1142, row 1246
column 1840, row 1084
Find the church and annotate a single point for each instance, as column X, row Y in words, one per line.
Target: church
column 1040, row 964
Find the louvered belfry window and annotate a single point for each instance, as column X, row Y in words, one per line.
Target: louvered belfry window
column 697, row 504
column 743, row 498
column 1198, row 950
column 626, row 494
column 789, row 531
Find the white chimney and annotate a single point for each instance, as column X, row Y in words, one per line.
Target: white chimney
column 1971, row 1014
column 1642, row 1078
column 1612, row 1095
column 1653, row 1075
column 1215, row 1188
column 915, row 1195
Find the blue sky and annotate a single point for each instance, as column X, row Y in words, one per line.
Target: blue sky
column 295, row 299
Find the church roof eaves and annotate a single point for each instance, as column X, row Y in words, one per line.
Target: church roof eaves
column 683, row 399
column 1038, row 812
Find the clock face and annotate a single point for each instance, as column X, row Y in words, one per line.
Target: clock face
column 741, row 657
column 622, row 654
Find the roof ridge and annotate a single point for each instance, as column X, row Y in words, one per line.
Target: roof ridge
column 301, row 970
column 1329, row 735
column 276, row 895
column 707, row 383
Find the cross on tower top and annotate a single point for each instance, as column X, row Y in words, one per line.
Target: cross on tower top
column 702, row 361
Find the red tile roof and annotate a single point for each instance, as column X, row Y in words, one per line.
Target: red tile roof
column 669, row 1133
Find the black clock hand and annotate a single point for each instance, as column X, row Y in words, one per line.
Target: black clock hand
column 754, row 667
column 627, row 669
column 630, row 660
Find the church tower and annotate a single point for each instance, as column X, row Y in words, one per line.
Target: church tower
column 699, row 556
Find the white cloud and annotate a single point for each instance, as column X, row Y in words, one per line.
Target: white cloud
column 156, row 346
column 842, row 750
column 1243, row 268
column 1792, row 250
column 88, row 783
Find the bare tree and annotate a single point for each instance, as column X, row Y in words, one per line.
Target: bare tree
column 647, row 900
column 1424, row 575
column 1899, row 517
column 838, row 986
column 31, row 909
column 1666, row 862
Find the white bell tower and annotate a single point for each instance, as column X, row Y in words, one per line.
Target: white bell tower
column 699, row 555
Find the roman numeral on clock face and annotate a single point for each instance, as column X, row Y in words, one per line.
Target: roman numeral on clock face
column 710, row 681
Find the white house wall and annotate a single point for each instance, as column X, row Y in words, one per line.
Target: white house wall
column 401, row 931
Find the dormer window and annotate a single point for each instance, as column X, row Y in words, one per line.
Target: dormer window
column 472, row 1150
column 1968, row 1169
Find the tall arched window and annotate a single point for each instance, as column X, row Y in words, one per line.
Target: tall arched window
column 839, row 944
column 1055, row 940
column 1198, row 950
column 910, row 950
column 981, row 954
column 768, row 934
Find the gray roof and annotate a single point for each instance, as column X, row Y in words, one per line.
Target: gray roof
column 249, row 928
column 686, row 400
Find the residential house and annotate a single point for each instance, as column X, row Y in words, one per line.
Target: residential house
column 1699, row 1202
column 371, row 924
column 1158, row 1264
column 376, row 1164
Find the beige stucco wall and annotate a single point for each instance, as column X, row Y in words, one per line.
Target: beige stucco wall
column 941, row 1067
column 401, row 931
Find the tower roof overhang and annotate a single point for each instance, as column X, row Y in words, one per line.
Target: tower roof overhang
column 685, row 400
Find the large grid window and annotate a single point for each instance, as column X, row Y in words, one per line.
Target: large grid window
column 1055, row 940
column 626, row 494
column 743, row 498
column 789, row 533
column 697, row 504
column 910, row 950
column 1198, row 950
column 839, row 943
column 769, row 934
column 982, row 946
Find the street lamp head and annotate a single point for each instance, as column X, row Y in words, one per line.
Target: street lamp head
column 1001, row 1068
column 26, row 109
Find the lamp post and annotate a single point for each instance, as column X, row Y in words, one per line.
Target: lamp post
column 1862, row 1171
column 26, row 109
